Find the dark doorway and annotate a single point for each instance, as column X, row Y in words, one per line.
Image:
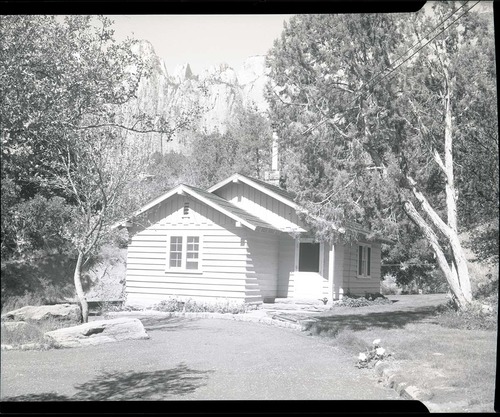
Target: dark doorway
column 309, row 257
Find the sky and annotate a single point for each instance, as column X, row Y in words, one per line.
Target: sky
column 202, row 40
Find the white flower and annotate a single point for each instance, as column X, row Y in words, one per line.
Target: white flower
column 362, row 357
column 380, row 351
column 376, row 342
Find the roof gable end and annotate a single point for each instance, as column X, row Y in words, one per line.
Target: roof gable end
column 271, row 190
column 212, row 200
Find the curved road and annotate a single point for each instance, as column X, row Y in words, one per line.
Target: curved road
column 202, row 359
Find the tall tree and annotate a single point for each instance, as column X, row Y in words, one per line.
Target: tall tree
column 64, row 81
column 372, row 141
column 252, row 132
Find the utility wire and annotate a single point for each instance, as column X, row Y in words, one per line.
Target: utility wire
column 391, row 70
column 439, row 25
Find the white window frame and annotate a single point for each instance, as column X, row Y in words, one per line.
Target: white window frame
column 321, row 261
column 185, row 235
column 367, row 266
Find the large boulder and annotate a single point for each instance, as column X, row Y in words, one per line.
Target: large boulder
column 66, row 313
column 98, row 332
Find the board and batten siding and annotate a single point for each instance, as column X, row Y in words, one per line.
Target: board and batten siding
column 223, row 255
column 260, row 204
column 361, row 285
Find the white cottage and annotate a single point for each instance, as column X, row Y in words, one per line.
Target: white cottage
column 240, row 240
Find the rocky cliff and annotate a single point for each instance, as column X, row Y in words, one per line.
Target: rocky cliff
column 215, row 94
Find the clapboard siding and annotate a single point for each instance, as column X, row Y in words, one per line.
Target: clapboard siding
column 236, row 263
column 357, row 285
column 261, row 205
column 262, row 265
column 224, row 252
column 286, row 259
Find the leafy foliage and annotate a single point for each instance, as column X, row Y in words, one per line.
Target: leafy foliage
column 66, row 158
column 371, row 143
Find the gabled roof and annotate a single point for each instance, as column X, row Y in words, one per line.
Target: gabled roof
column 269, row 189
column 212, row 200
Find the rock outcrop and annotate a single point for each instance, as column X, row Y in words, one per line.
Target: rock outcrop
column 98, row 332
column 216, row 92
column 67, row 313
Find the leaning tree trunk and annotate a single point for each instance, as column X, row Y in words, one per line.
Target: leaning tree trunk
column 461, row 299
column 79, row 289
column 459, row 260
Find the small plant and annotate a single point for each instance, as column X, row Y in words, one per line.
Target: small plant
column 371, row 356
column 324, row 300
column 191, row 306
column 350, row 300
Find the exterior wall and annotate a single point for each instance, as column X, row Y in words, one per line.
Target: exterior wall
column 338, row 272
column 262, row 263
column 260, row 204
column 351, row 282
column 224, row 256
column 286, row 261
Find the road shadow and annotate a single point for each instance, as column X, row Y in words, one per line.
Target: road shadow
column 130, row 386
column 385, row 320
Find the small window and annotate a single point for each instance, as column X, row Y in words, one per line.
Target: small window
column 175, row 252
column 184, row 253
column 364, row 260
column 192, row 252
column 186, row 209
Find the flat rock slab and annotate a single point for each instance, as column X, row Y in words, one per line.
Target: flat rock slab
column 69, row 313
column 99, row 332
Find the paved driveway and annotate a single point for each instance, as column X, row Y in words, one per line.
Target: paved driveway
column 203, row 359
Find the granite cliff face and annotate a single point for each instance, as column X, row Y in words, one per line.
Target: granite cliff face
column 216, row 93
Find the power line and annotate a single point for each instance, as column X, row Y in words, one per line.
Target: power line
column 391, row 70
column 421, row 40
column 429, row 41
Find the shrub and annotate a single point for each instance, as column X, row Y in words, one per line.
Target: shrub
column 476, row 317
column 191, row 306
column 388, row 286
column 369, row 299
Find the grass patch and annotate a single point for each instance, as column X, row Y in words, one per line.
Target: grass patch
column 30, row 335
column 455, row 364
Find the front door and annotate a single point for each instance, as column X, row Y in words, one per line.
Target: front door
column 307, row 277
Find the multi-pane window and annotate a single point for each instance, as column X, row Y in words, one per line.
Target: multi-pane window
column 175, row 252
column 364, row 260
column 184, row 252
column 192, row 252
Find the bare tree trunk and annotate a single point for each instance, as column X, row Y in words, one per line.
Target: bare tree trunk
column 79, row 289
column 459, row 260
column 432, row 238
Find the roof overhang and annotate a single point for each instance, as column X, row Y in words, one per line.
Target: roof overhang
column 185, row 190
